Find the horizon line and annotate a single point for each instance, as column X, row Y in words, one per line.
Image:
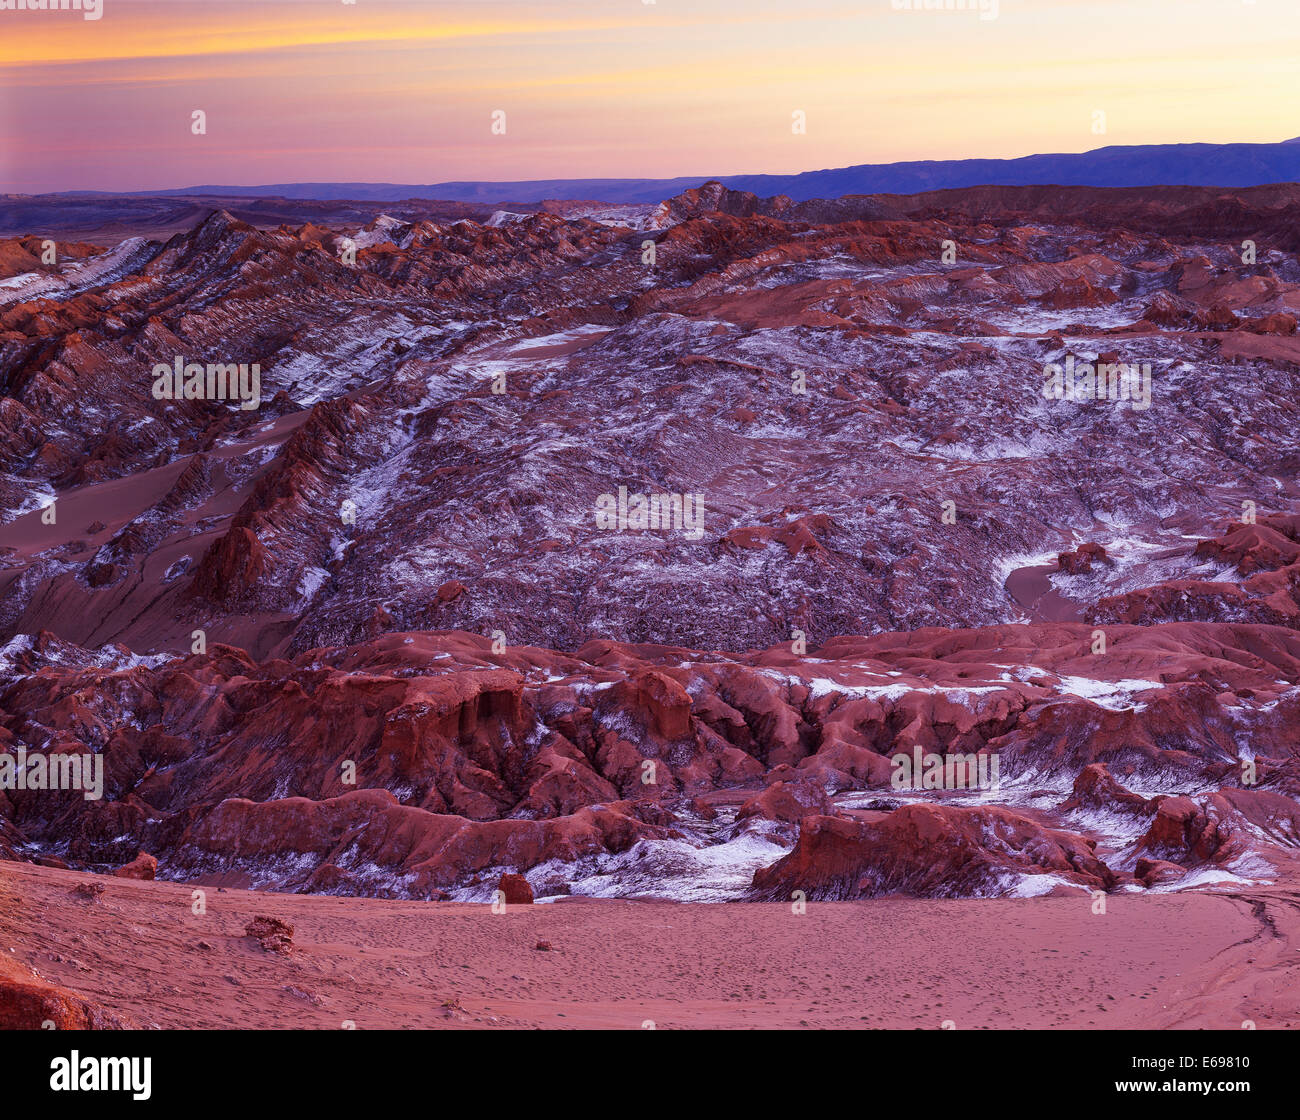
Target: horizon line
column 657, row 179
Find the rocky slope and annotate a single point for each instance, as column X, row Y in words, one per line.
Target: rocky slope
column 419, row 765
column 376, row 635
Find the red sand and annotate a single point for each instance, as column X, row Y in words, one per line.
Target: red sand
column 1189, row 960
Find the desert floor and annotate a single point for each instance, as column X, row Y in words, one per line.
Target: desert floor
column 1156, row 960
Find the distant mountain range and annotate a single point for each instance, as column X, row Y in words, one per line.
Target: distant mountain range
column 1222, row 165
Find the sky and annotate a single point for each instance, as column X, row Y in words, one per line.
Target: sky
column 405, row 91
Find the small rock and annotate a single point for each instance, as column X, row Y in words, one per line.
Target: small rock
column 1081, row 560
column 144, row 866
column 449, row 591
column 272, row 934
column 516, row 889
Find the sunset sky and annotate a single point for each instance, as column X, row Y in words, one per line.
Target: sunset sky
column 402, row 91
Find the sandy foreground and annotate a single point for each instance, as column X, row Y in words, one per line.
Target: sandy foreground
column 1190, row 960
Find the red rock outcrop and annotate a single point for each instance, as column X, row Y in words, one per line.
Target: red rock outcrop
column 1082, row 559
column 29, row 1003
column 419, row 764
column 515, row 890
column 144, row 866
column 928, row 850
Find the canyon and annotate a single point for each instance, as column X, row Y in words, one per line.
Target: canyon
column 375, row 639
